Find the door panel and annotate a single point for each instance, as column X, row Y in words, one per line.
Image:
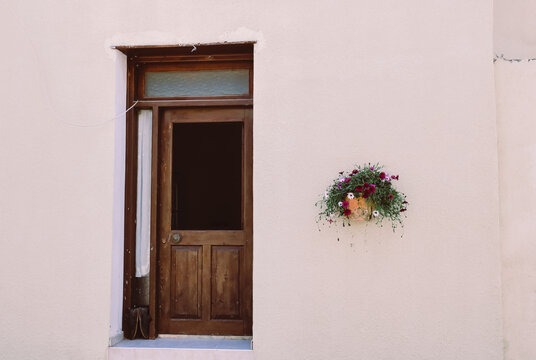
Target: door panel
column 186, row 280
column 205, row 232
column 225, row 279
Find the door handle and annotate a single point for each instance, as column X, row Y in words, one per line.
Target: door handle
column 176, row 238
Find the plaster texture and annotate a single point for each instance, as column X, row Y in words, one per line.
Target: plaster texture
column 515, row 87
column 409, row 84
column 516, row 96
column 115, row 353
column 514, row 34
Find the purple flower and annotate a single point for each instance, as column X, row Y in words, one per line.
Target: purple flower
column 372, row 168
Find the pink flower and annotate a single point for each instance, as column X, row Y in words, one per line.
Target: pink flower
column 359, row 188
column 347, row 212
column 391, row 196
column 382, row 175
column 372, row 168
column 345, row 204
column 347, row 180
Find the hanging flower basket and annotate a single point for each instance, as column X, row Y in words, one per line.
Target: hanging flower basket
column 365, row 193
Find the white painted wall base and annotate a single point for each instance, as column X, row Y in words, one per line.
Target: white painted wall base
column 121, row 353
column 115, row 339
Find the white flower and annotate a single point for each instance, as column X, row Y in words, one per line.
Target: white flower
column 326, row 195
column 331, row 215
column 350, row 196
column 341, row 179
column 375, row 213
column 340, row 203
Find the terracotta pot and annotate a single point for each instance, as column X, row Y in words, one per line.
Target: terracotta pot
column 361, row 209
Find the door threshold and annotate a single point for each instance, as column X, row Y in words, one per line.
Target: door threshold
column 205, row 337
column 206, row 342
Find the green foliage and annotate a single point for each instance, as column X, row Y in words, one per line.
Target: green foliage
column 370, row 182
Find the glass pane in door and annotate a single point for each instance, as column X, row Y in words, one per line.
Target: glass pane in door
column 207, row 176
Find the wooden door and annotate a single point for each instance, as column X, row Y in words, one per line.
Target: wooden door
column 205, row 221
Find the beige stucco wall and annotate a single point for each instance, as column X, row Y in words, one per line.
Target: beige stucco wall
column 514, row 35
column 515, row 83
column 516, row 96
column 409, row 84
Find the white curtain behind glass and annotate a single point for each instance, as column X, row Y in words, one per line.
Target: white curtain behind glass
column 143, row 207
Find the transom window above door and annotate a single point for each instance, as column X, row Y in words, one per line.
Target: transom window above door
column 204, row 73
column 193, row 81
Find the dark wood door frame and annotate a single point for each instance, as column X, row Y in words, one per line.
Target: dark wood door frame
column 136, row 57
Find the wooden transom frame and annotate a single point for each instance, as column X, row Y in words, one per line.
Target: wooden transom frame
column 166, row 58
